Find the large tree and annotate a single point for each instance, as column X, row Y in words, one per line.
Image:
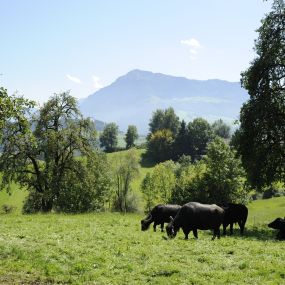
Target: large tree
column 40, row 153
column 261, row 137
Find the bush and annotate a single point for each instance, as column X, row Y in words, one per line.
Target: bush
column 7, row 209
column 269, row 193
column 32, row 203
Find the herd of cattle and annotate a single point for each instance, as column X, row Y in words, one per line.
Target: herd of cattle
column 195, row 216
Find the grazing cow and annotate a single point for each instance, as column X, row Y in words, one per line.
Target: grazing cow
column 193, row 216
column 278, row 224
column 159, row 215
column 234, row 213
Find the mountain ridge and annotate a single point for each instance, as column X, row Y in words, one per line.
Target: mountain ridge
column 132, row 98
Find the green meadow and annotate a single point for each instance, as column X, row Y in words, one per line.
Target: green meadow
column 109, row 248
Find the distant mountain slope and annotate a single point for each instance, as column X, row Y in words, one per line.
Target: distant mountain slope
column 132, row 98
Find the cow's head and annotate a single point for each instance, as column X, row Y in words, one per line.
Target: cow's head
column 146, row 223
column 276, row 224
column 171, row 231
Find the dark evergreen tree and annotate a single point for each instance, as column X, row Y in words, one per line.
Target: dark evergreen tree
column 181, row 143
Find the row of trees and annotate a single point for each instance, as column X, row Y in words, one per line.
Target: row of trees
column 217, row 177
column 109, row 137
column 170, row 139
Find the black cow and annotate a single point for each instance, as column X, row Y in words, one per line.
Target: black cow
column 234, row 213
column 278, row 224
column 193, row 216
column 159, row 215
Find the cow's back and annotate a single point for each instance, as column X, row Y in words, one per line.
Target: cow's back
column 162, row 212
column 200, row 216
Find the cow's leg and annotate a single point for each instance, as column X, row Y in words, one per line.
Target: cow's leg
column 241, row 226
column 224, row 229
column 231, row 228
column 154, row 226
column 219, row 233
column 186, row 232
column 195, row 232
column 161, row 226
column 216, row 232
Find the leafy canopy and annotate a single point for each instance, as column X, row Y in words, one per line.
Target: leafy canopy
column 261, row 138
column 40, row 152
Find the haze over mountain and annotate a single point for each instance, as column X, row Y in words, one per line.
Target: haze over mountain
column 132, row 98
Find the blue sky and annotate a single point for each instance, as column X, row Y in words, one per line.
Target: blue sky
column 56, row 45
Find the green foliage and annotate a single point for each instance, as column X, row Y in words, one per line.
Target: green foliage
column 109, row 248
column 199, row 135
column 260, row 139
column 224, row 175
column 131, row 136
column 149, row 191
column 39, row 153
column 218, row 177
column 125, row 170
column 189, row 183
column 181, row 142
column 158, row 186
column 109, row 137
column 160, row 145
column 164, row 119
column 88, row 192
column 221, row 129
column 13, row 108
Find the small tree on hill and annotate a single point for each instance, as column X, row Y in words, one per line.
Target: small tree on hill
column 109, row 137
column 131, row 136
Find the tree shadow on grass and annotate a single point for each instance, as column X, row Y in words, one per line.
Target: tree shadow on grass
column 262, row 234
column 255, row 233
column 252, row 233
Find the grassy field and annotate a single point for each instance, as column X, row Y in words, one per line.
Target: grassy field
column 109, row 248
